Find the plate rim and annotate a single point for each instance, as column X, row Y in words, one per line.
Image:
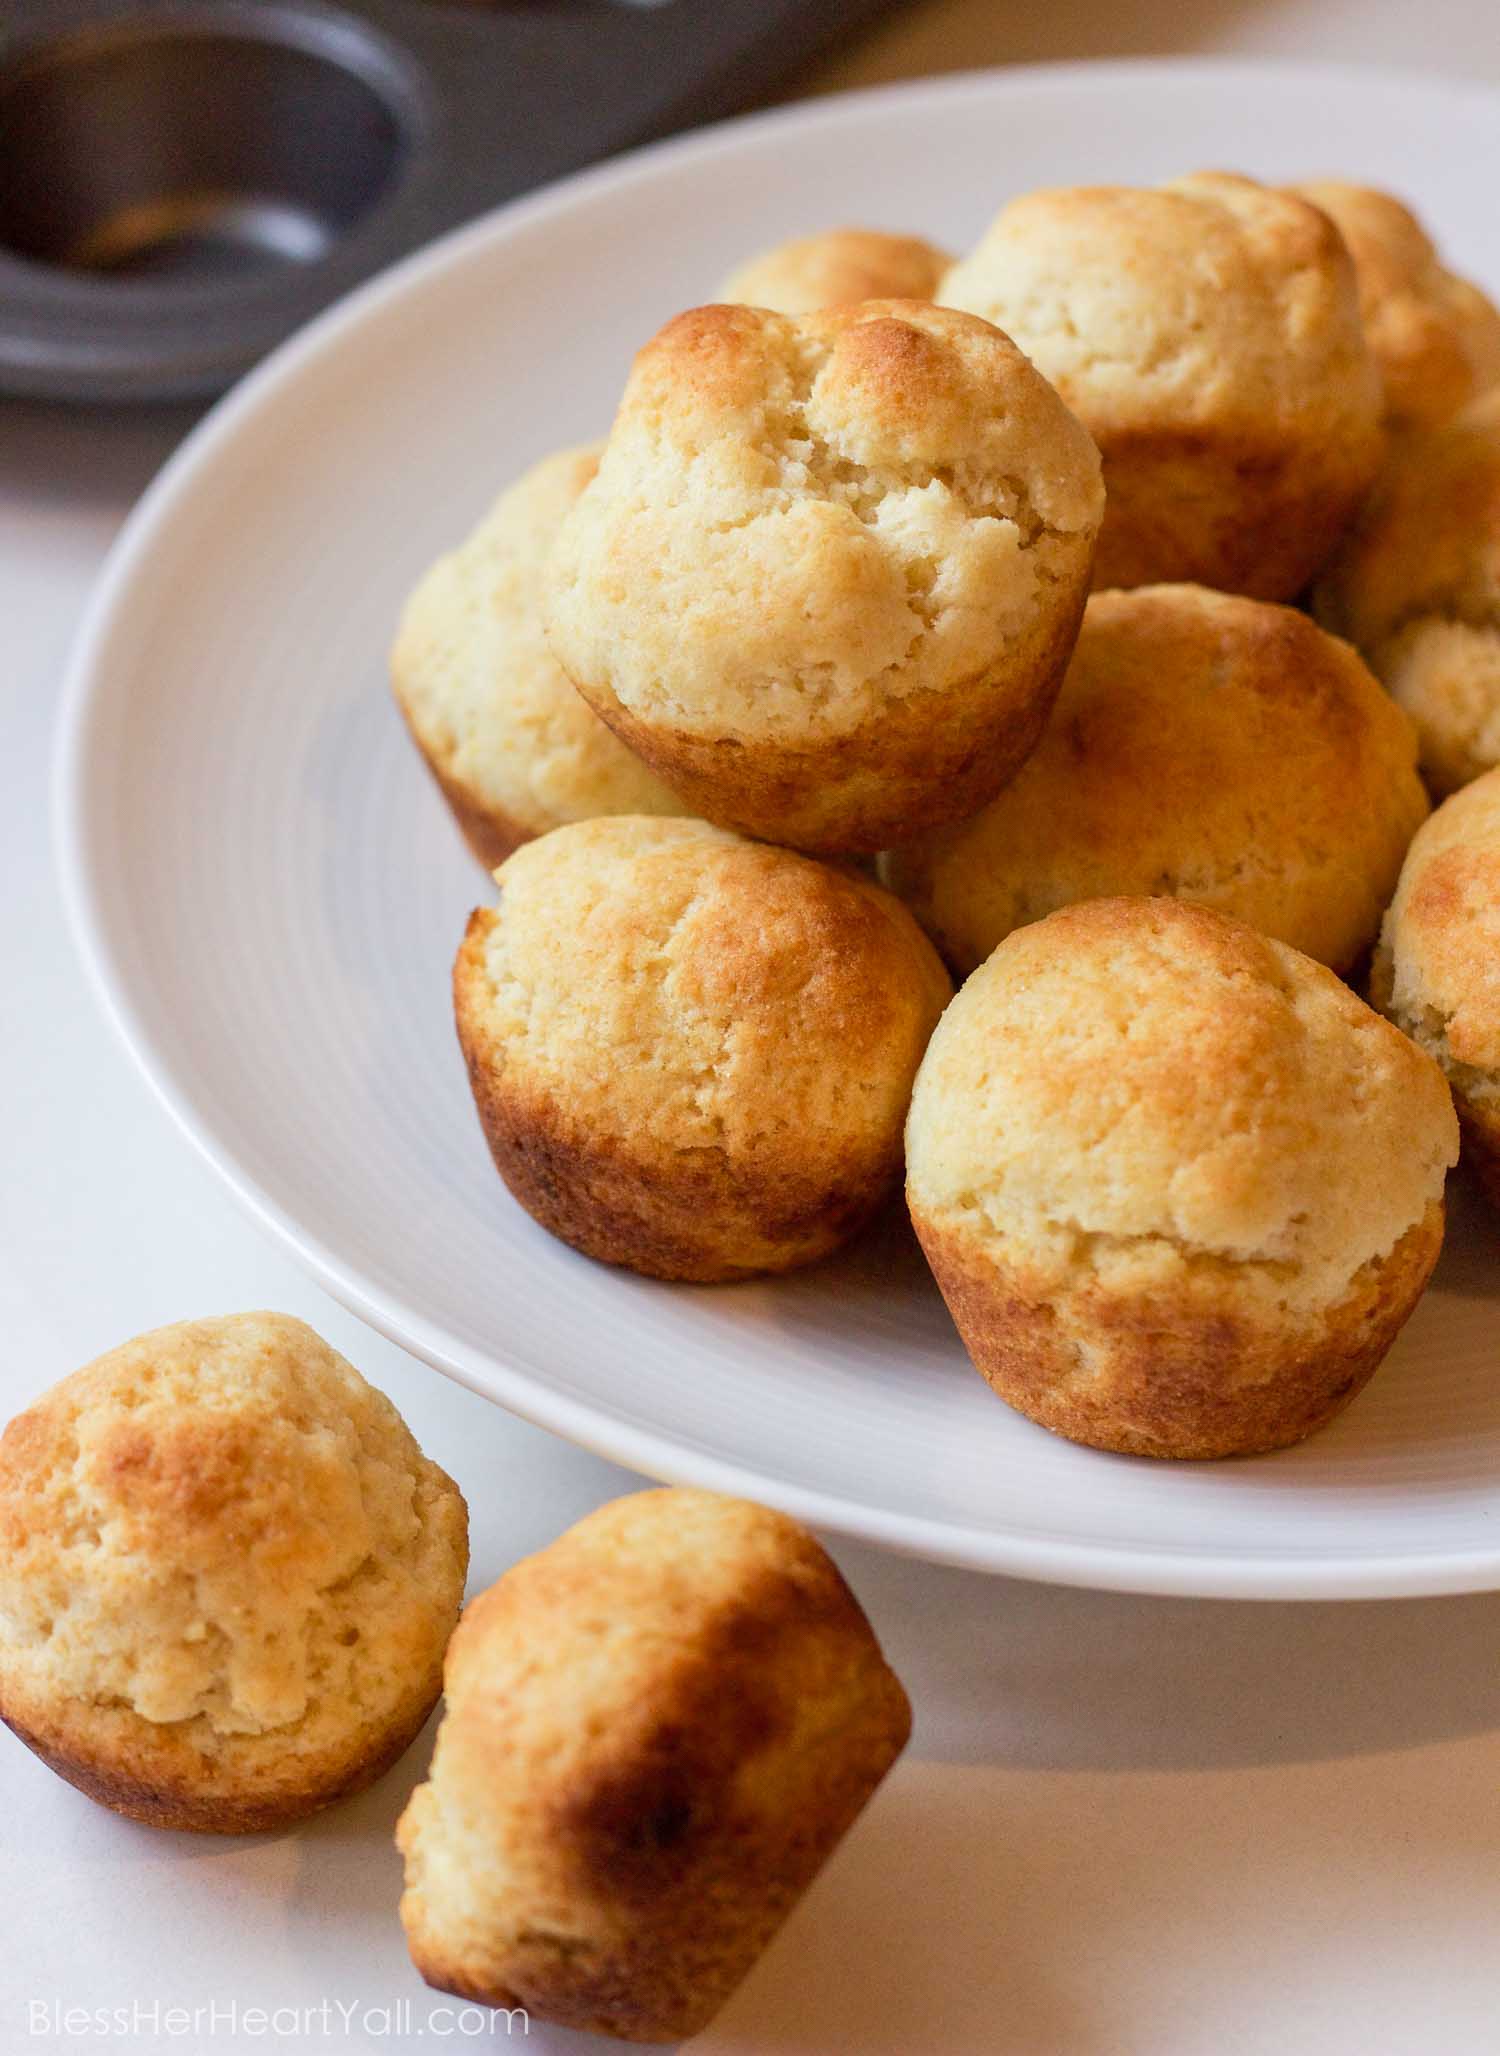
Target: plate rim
column 1153, row 1569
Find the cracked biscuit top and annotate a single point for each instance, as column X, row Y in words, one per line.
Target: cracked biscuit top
column 221, row 1531
column 1136, row 1086
column 799, row 522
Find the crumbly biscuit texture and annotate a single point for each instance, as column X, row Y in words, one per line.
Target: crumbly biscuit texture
column 693, row 1053
column 656, row 1731
column 227, row 1574
column 1434, row 336
column 1437, row 971
column 511, row 744
column 1207, row 333
column 837, row 267
column 1133, row 1088
column 828, row 563
column 1417, row 588
column 1220, row 749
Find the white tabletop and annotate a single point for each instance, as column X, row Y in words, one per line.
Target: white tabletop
column 1124, row 1827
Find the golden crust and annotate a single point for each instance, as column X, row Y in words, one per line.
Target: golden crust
column 1207, row 334
column 159, row 1779
column 830, row 569
column 1171, row 1131
column 1195, row 1376
column 227, row 1576
column 657, row 1730
column 1437, row 971
column 711, row 1080
column 1434, row 336
column 512, row 747
column 1220, row 749
column 915, row 763
column 837, row 267
column 1417, row 588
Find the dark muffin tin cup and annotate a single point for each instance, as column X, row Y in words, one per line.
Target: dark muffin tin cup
column 183, row 182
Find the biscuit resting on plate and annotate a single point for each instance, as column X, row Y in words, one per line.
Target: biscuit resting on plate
column 835, row 267
column 1220, row 749
column 831, row 567
column 513, row 748
column 693, row 1054
column 1417, row 588
column 1179, row 1186
column 1434, row 336
column 1207, row 333
column 1437, row 970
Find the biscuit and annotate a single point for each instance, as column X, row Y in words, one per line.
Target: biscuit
column 1437, row 971
column 513, row 748
column 692, row 1054
column 656, row 1732
column 1417, row 588
column 1180, row 1187
column 1434, row 336
column 227, row 1576
column 839, row 266
column 1220, row 749
column 1207, row 334
column 831, row 568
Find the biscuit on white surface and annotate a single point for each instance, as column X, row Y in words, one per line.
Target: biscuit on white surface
column 656, row 1732
column 227, row 1576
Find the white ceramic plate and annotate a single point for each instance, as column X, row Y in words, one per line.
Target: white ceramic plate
column 269, row 892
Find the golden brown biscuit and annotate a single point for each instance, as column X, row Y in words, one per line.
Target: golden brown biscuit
column 1179, row 1186
column 227, row 1576
column 1417, row 588
column 692, row 1054
column 1434, row 336
column 830, row 570
column 1207, row 334
column 513, row 748
column 656, row 1732
column 1220, row 749
column 1437, row 970
column 839, row 266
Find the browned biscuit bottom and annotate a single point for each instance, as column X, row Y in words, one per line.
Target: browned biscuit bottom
column 936, row 757
column 1187, row 1377
column 616, row 1852
column 693, row 1217
column 1239, row 517
column 150, row 1771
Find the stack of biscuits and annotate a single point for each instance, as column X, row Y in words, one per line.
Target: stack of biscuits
column 1093, row 619
column 916, row 621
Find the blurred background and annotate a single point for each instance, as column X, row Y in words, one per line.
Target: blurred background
column 184, row 182
column 956, row 35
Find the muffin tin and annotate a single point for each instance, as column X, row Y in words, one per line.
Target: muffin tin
column 183, row 182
